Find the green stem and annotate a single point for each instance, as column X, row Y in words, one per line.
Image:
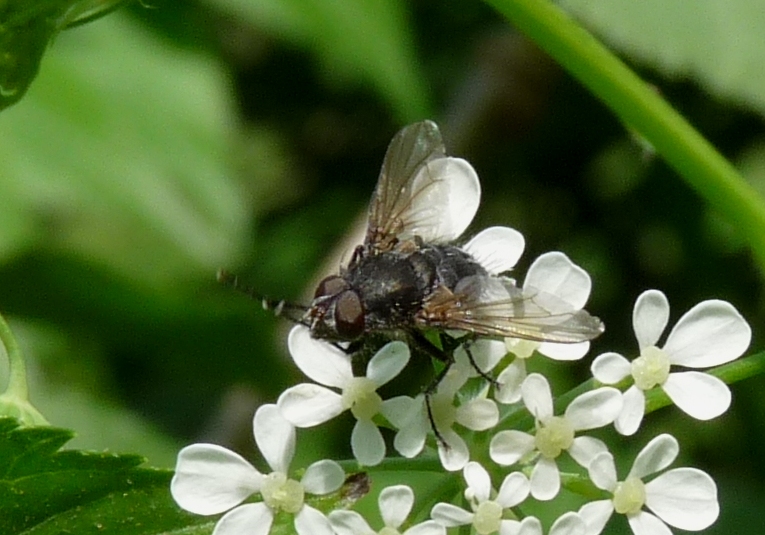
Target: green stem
column 17, row 376
column 640, row 107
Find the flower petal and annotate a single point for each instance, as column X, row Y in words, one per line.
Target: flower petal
column 643, row 523
column 478, row 480
column 545, row 479
column 310, row 521
column 709, row 334
column 395, row 504
column 388, row 362
column 307, row 404
column 410, row 439
column 584, row 450
column 564, row 352
column 486, row 354
column 510, row 381
column 595, row 408
column 698, row 394
column 349, row 523
column 596, row 514
column 454, row 456
column 537, row 396
column 478, row 414
column 508, row 446
column 274, row 436
column 449, row 194
column 649, row 317
column 685, row 498
column 528, row 526
column 367, row 443
column 602, row 471
column 450, row 516
column 429, row 527
column 555, row 274
column 633, row 410
column 658, row 454
column 250, row 518
column 570, row 523
column 497, row 249
column 514, row 490
column 610, row 368
column 323, row 477
column 319, row 360
column 210, row 479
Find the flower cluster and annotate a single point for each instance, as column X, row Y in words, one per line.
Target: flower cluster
column 510, row 429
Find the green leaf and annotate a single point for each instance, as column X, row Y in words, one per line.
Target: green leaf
column 44, row 490
column 717, row 42
column 360, row 40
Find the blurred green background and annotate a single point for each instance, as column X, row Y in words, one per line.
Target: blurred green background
column 164, row 141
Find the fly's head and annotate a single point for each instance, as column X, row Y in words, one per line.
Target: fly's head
column 336, row 312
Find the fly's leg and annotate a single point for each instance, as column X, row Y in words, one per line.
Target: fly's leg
column 491, row 380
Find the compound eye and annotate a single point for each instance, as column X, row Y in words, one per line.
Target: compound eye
column 332, row 285
column 349, row 315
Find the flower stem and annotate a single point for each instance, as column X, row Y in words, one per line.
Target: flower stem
column 640, row 107
column 17, row 376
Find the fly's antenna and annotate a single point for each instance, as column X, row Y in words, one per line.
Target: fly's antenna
column 291, row 311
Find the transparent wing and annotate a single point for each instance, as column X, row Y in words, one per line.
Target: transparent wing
column 494, row 306
column 420, row 191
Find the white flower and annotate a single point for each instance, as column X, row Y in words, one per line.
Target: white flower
column 709, row 334
column 210, row 479
column 306, row 405
column 410, row 416
column 685, row 498
column 556, row 276
column 486, row 514
column 395, row 505
column 567, row 524
column 555, row 434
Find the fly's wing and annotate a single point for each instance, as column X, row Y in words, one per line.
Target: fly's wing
column 494, row 306
column 421, row 192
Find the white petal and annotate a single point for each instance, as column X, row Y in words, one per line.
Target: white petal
column 274, row 436
column 388, row 363
column 448, row 200
column 658, row 454
column 395, row 504
column 514, row 490
column 508, row 446
column 455, row 455
column 478, row 414
column 429, row 527
column 323, row 477
column 251, row 518
column 555, row 274
column 596, row 514
column 594, row 409
column 367, row 443
column 537, row 396
column 307, row 404
column 649, row 317
column 685, row 498
column 510, row 381
column 349, row 523
column 210, row 479
column 478, row 481
column 497, row 249
column 602, row 471
column 401, row 410
column 584, row 450
column 709, row 334
column 545, row 479
column 486, row 354
column 644, row 523
column 569, row 524
column 450, row 515
column 564, row 352
column 698, row 394
column 610, row 368
column 310, row 521
column 528, row 526
column 319, row 360
column 633, row 410
column 410, row 440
